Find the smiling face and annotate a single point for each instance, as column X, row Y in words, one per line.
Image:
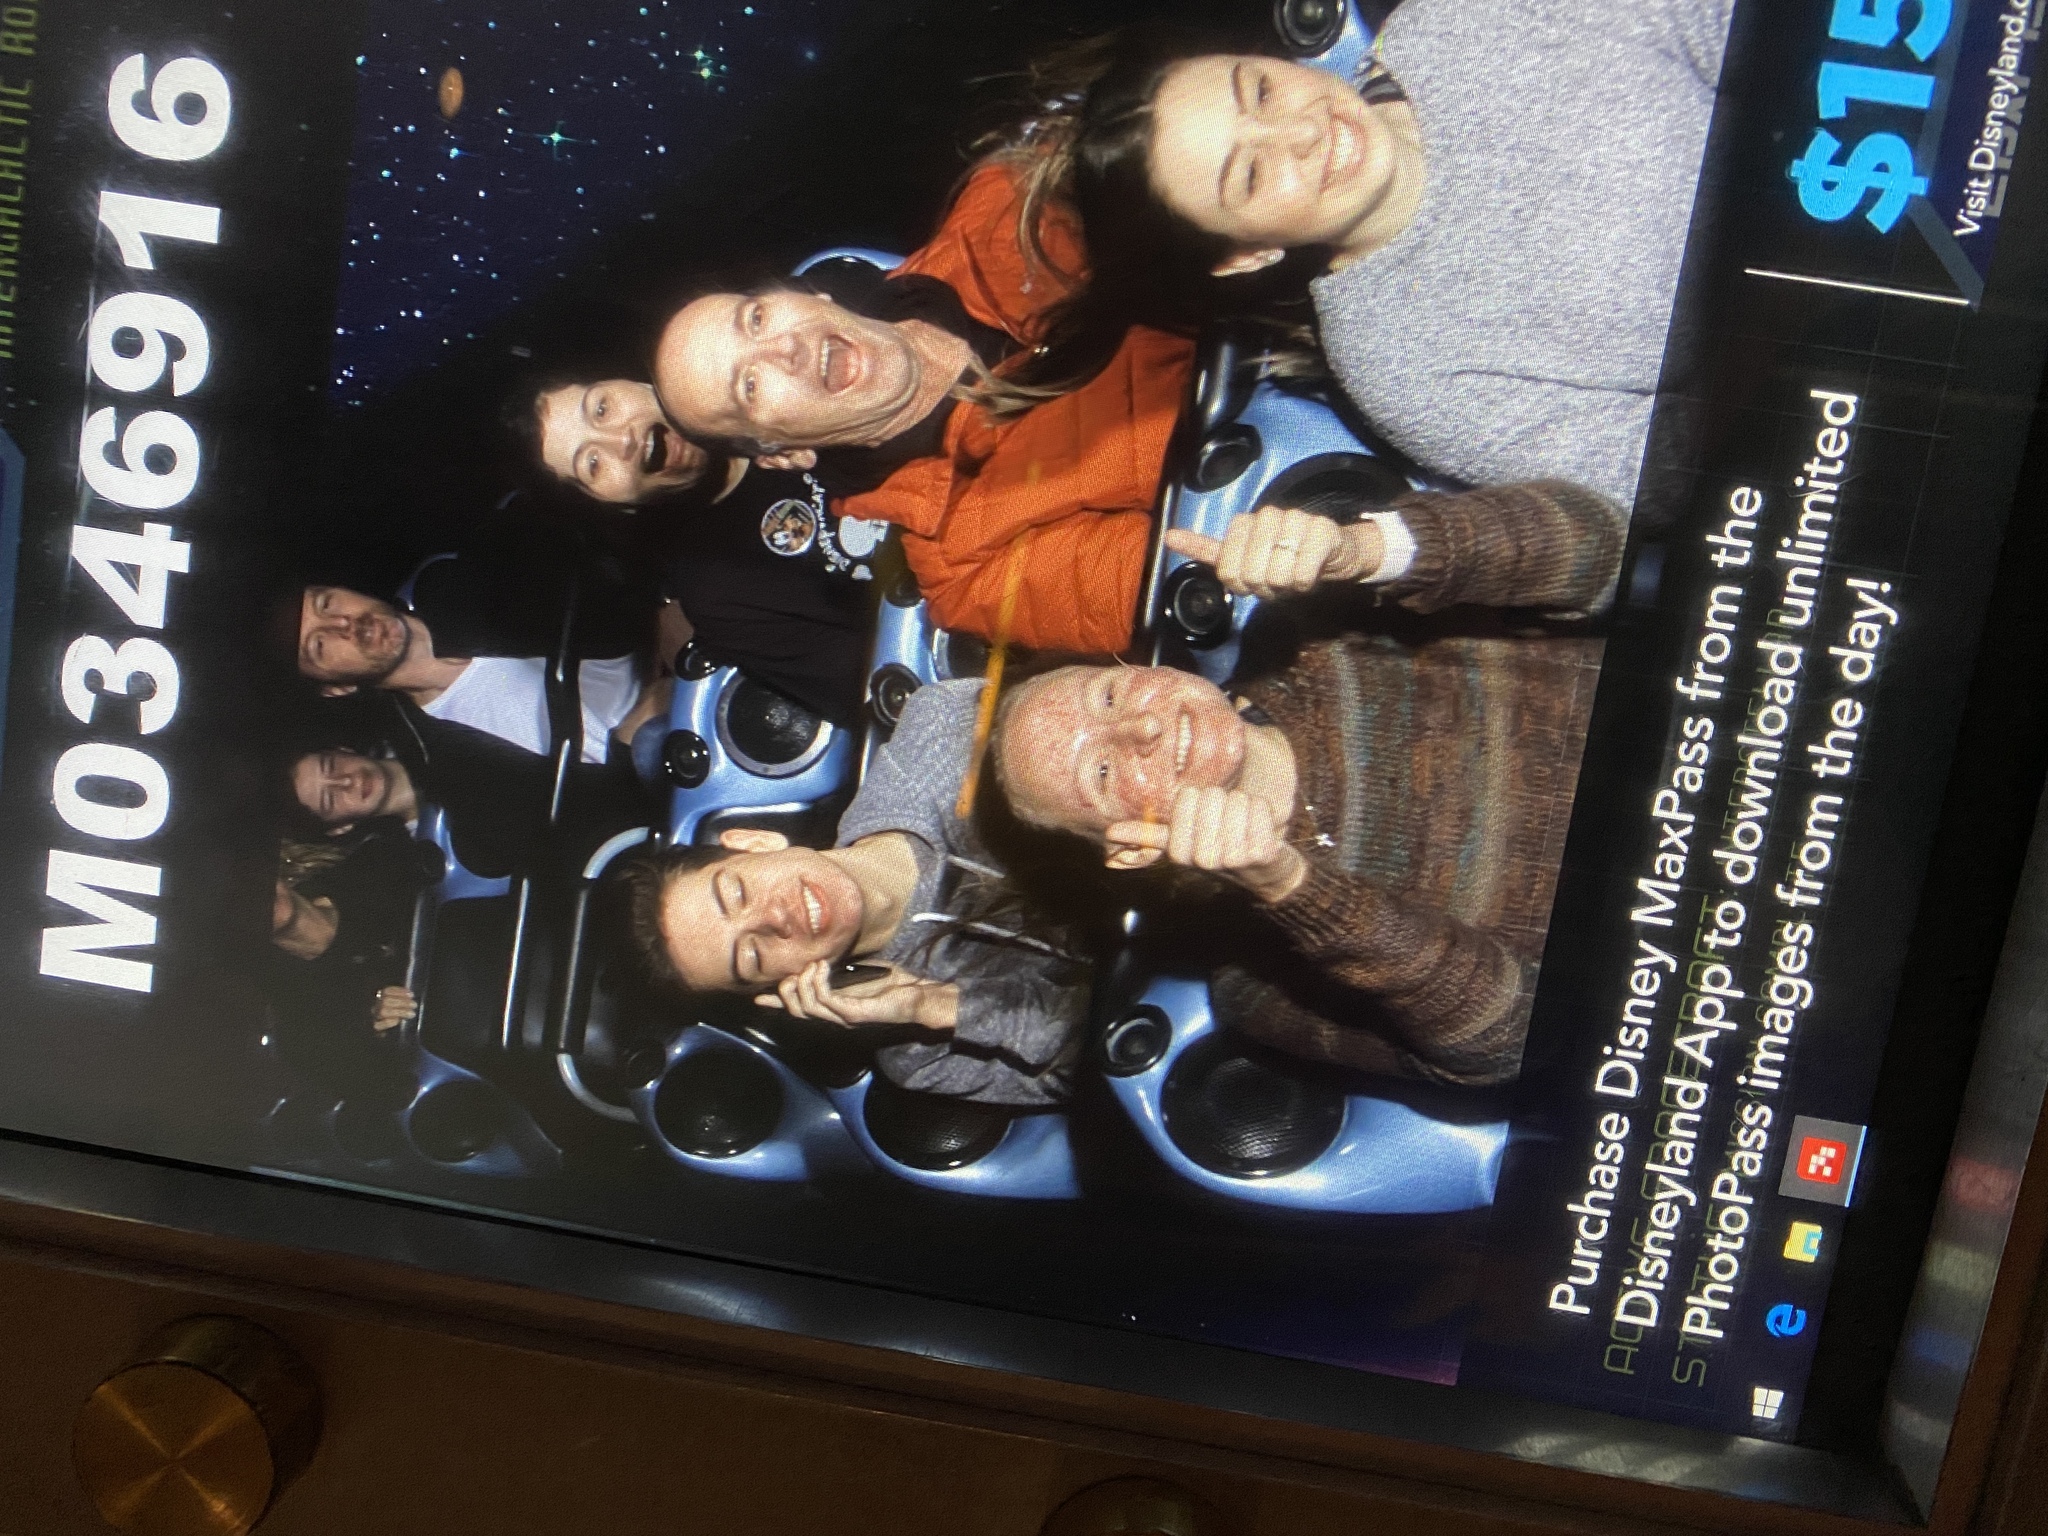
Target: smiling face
column 748, row 921
column 346, row 638
column 611, row 441
column 342, row 788
column 1266, row 153
column 1086, row 747
column 788, row 370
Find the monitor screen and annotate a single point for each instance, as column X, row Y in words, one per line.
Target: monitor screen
column 1274, row 676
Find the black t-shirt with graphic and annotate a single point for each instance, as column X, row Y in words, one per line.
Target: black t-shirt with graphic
column 779, row 587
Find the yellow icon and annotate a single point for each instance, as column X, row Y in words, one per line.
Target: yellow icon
column 1802, row 1243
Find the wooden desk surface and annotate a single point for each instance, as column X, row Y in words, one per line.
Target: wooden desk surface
column 449, row 1421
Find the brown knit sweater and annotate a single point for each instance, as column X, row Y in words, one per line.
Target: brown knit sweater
column 1435, row 785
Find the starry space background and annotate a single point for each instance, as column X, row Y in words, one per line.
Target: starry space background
column 493, row 150
column 604, row 161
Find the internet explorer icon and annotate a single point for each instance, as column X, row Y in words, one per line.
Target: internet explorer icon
column 1802, row 1243
column 1785, row 1321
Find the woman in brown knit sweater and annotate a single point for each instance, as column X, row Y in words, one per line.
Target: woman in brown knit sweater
column 1396, row 808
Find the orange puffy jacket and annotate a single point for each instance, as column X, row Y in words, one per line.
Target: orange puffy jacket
column 1081, row 471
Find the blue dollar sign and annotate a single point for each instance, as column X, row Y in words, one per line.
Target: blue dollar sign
column 1882, row 163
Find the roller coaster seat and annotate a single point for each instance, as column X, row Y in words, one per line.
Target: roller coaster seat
column 738, row 751
column 456, row 883
column 431, row 1109
column 422, row 1111
column 1331, row 35
column 1254, row 1126
column 724, row 1103
column 910, row 650
column 958, row 1145
column 886, row 261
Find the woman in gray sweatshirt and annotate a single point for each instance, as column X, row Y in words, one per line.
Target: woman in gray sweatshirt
column 1500, row 202
column 1022, row 997
column 981, row 996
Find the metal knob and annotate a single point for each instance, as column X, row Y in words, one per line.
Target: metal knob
column 201, row 1434
column 1133, row 1506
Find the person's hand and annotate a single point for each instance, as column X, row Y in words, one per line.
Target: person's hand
column 901, row 997
column 1278, row 550
column 1227, row 832
column 393, row 1006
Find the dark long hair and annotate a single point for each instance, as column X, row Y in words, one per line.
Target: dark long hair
column 519, row 405
column 639, row 884
column 1087, row 149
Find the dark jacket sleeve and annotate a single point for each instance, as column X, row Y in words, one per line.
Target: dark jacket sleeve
column 1544, row 544
column 373, row 890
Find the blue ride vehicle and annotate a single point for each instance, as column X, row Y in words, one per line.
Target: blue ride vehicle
column 1252, row 1126
column 1325, row 34
column 419, row 1109
column 1238, row 1121
column 725, row 1103
column 739, row 753
column 955, row 1144
column 720, row 1101
column 753, row 1103
column 748, row 1103
column 732, row 1101
column 909, row 650
column 449, row 1121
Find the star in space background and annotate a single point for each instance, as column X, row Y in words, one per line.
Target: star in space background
column 533, row 186
column 494, row 145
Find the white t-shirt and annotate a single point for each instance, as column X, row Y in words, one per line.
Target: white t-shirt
column 507, row 696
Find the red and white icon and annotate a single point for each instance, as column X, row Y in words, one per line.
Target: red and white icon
column 1821, row 1158
column 1822, row 1161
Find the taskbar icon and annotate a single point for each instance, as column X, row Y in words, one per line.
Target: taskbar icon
column 1802, row 1242
column 1821, row 1158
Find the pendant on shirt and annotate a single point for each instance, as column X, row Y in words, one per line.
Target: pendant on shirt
column 790, row 527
